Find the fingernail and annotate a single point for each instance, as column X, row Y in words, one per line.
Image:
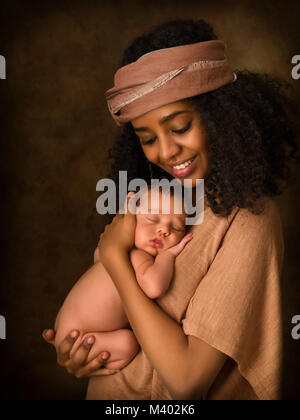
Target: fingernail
column 90, row 340
column 105, row 356
column 73, row 334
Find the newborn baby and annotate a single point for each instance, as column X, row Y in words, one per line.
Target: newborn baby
column 94, row 306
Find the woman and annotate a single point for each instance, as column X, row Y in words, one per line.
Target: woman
column 184, row 113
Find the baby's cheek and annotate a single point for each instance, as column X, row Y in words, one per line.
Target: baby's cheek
column 138, row 239
column 175, row 240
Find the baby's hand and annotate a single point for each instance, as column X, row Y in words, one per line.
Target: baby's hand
column 176, row 250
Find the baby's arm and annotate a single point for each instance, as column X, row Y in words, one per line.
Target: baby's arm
column 155, row 275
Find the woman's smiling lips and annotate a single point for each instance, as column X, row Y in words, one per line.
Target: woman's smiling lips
column 181, row 172
column 157, row 243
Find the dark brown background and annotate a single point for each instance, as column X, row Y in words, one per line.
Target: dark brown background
column 55, row 133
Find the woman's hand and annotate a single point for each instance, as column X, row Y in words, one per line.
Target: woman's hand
column 77, row 365
column 118, row 236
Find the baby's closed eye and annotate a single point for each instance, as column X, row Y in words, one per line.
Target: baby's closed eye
column 178, row 229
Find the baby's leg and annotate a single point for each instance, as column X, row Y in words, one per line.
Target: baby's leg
column 121, row 344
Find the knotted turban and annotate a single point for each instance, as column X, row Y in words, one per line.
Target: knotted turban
column 165, row 76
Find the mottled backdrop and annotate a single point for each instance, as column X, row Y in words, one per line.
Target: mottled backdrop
column 55, row 134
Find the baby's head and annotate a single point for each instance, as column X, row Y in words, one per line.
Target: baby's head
column 156, row 229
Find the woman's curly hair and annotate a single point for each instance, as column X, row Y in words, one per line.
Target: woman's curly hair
column 250, row 136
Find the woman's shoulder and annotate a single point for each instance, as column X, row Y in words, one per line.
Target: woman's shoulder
column 241, row 224
column 266, row 215
column 263, row 228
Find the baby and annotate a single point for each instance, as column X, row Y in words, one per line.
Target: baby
column 94, row 306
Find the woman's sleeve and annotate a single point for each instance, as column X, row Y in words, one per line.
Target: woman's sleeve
column 237, row 305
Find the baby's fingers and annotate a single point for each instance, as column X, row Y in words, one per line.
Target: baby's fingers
column 184, row 241
column 186, row 238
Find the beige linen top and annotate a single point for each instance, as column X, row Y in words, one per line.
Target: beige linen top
column 225, row 291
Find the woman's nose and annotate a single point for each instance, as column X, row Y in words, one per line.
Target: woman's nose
column 168, row 148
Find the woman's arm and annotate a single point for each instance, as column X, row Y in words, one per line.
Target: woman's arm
column 187, row 365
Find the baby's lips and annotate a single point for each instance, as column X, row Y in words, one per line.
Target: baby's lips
column 157, row 242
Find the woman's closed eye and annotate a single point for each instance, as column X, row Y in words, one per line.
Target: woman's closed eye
column 179, row 131
column 182, row 130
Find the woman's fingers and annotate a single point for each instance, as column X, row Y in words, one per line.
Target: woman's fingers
column 130, row 207
column 63, row 350
column 95, row 368
column 75, row 364
column 130, row 194
column 104, row 372
column 49, row 336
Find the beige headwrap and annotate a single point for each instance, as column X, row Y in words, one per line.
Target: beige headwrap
column 165, row 76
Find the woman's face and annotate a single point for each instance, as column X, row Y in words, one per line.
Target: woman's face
column 173, row 138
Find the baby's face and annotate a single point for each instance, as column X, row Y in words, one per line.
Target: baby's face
column 157, row 232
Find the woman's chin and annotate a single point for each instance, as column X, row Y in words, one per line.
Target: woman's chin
column 194, row 182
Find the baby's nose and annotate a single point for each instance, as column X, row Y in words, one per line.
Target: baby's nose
column 163, row 230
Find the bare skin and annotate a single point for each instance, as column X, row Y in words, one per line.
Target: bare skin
column 197, row 363
column 94, row 306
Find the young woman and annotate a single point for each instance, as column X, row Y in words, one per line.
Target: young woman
column 183, row 112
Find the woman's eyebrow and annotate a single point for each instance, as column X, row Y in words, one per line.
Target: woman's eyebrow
column 163, row 120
